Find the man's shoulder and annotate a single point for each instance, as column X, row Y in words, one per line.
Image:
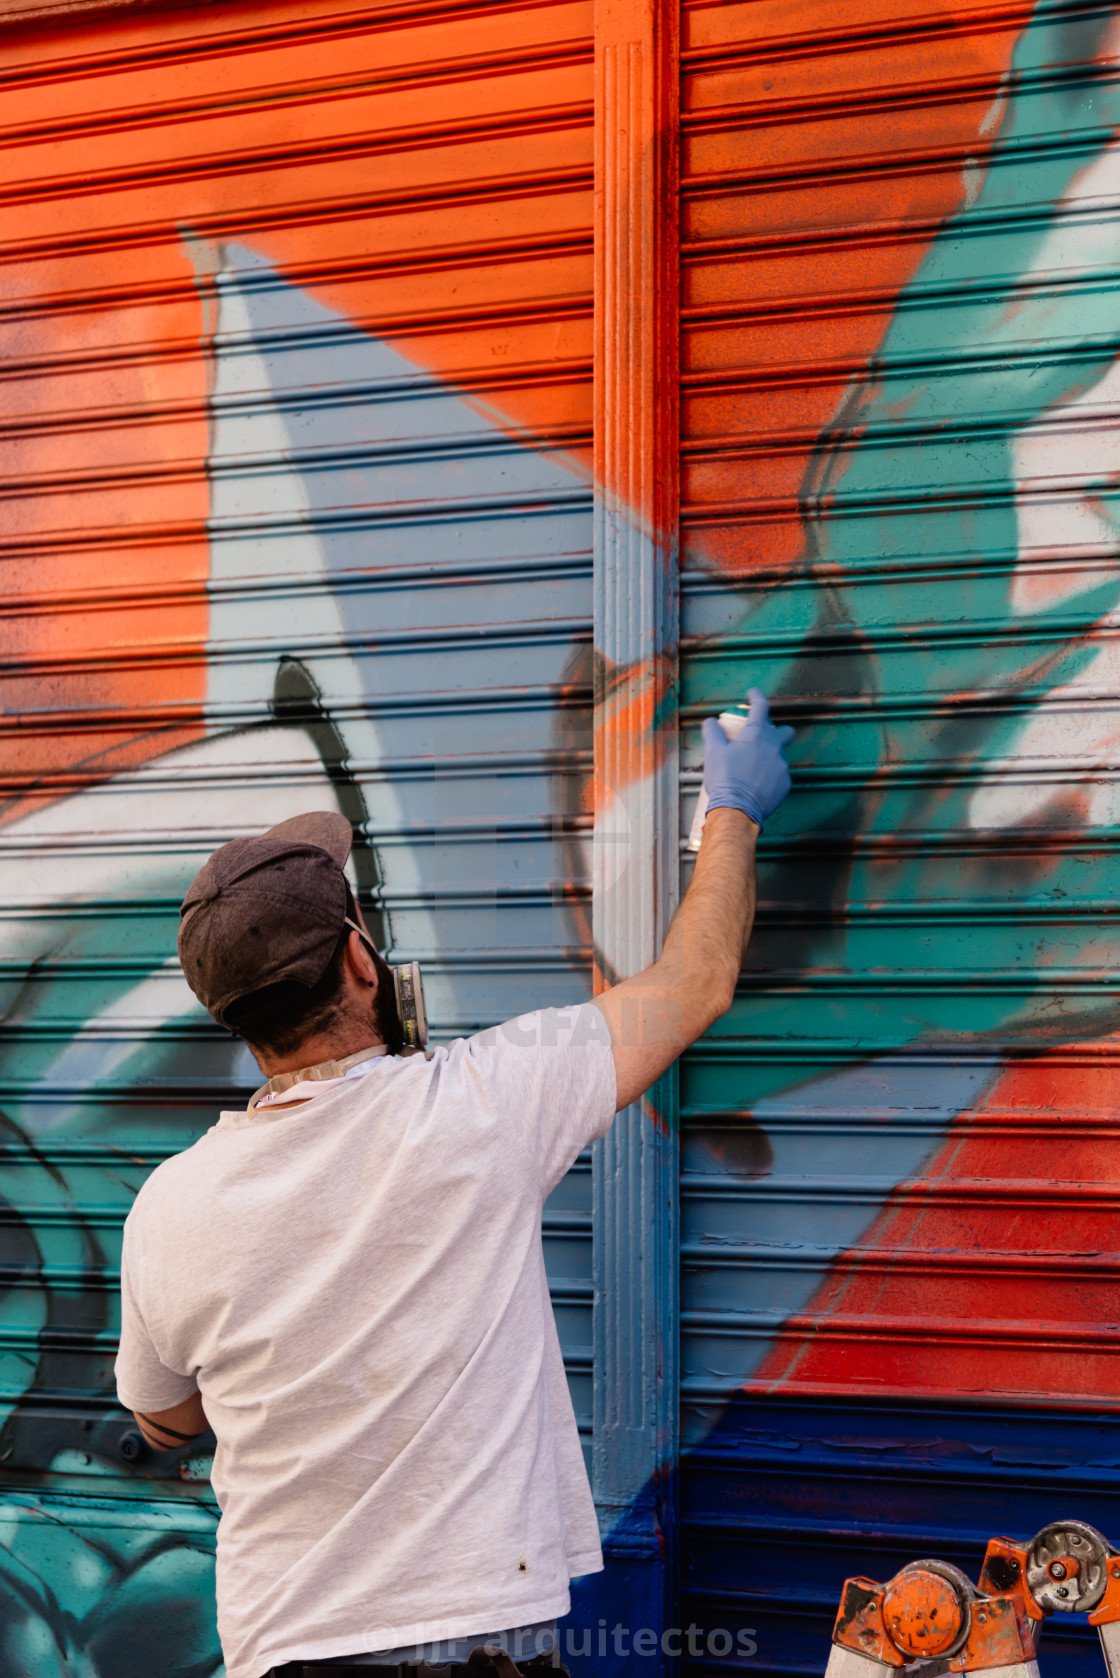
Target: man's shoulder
column 168, row 1179
column 578, row 1025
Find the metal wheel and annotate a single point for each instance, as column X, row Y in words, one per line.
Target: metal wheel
column 927, row 1609
column 1067, row 1567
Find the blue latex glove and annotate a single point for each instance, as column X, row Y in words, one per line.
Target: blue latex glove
column 750, row 773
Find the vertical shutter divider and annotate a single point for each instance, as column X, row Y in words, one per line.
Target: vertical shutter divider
column 636, row 867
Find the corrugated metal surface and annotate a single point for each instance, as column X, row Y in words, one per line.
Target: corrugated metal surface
column 295, row 510
column 899, row 247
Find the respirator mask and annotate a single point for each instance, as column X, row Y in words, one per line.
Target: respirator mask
column 408, row 994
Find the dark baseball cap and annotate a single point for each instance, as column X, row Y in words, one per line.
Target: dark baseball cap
column 262, row 910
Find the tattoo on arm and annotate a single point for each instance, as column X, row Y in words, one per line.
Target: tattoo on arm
column 158, row 1427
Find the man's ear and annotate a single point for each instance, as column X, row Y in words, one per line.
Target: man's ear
column 359, row 961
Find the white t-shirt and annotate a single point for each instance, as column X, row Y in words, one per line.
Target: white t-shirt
column 353, row 1278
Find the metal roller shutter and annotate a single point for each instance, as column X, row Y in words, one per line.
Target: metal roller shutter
column 899, row 1188
column 296, row 510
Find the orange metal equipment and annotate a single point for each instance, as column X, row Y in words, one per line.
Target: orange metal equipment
column 931, row 1612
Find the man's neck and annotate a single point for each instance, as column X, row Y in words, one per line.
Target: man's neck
column 324, row 1071
column 316, row 1051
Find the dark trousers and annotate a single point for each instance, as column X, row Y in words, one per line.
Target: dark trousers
column 483, row 1662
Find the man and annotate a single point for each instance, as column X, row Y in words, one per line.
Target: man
column 346, row 1281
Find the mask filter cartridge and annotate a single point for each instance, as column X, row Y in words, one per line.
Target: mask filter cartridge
column 409, row 989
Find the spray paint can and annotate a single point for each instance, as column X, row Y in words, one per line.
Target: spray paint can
column 733, row 723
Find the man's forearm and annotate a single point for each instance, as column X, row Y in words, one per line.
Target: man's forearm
column 167, row 1430
column 705, row 945
column 659, row 1012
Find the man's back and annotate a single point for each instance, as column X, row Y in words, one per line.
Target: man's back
column 353, row 1279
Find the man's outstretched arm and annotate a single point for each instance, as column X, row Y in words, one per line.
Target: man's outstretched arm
column 656, row 1015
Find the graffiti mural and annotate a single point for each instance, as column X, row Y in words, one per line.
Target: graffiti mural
column 898, row 1188
column 336, row 729
column 90, row 1587
column 953, row 619
column 297, row 513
